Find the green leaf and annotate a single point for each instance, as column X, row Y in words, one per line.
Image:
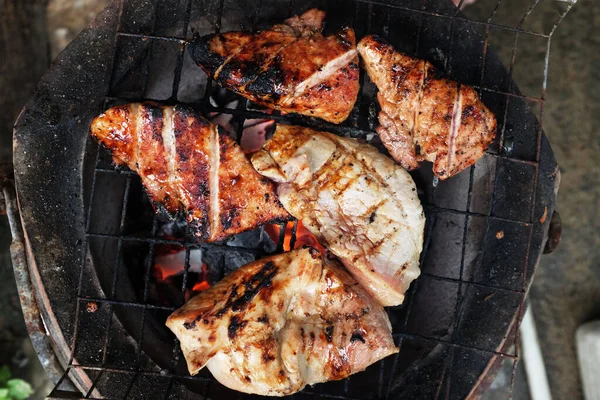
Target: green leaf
column 4, row 374
column 18, row 389
column 4, row 394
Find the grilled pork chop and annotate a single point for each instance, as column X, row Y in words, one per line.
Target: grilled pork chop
column 361, row 205
column 425, row 116
column 291, row 67
column 283, row 322
column 187, row 166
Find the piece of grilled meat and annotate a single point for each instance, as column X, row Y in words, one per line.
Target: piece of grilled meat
column 286, row 321
column 187, row 166
column 291, row 67
column 359, row 203
column 425, row 116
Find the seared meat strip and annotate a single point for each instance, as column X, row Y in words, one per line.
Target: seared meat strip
column 283, row 322
column 424, row 116
column 361, row 205
column 291, row 67
column 187, row 166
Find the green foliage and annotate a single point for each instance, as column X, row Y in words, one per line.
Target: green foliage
column 4, row 375
column 18, row 389
column 13, row 389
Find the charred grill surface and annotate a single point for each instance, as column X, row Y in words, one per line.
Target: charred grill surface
column 51, row 141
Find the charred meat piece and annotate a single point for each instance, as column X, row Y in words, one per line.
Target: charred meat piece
column 360, row 204
column 281, row 323
column 291, row 67
column 187, row 166
column 424, row 116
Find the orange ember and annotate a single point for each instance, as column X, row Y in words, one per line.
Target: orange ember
column 201, row 286
column 202, row 283
column 163, row 271
column 303, row 236
column 170, row 261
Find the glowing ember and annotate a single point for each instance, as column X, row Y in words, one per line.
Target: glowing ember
column 201, row 286
column 170, row 261
column 303, row 236
column 202, row 283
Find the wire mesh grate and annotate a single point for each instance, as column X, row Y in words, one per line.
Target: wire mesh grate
column 476, row 206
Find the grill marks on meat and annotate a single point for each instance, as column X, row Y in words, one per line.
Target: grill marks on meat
column 424, row 116
column 291, row 67
column 192, row 184
column 187, row 166
column 283, row 322
column 360, row 204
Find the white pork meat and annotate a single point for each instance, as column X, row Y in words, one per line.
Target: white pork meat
column 359, row 203
column 281, row 323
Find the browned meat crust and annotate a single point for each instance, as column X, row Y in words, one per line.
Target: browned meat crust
column 187, row 166
column 277, row 324
column 291, row 67
column 425, row 116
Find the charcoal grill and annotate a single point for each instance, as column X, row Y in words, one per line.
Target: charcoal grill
column 86, row 252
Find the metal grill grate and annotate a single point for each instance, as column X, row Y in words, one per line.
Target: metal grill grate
column 481, row 240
